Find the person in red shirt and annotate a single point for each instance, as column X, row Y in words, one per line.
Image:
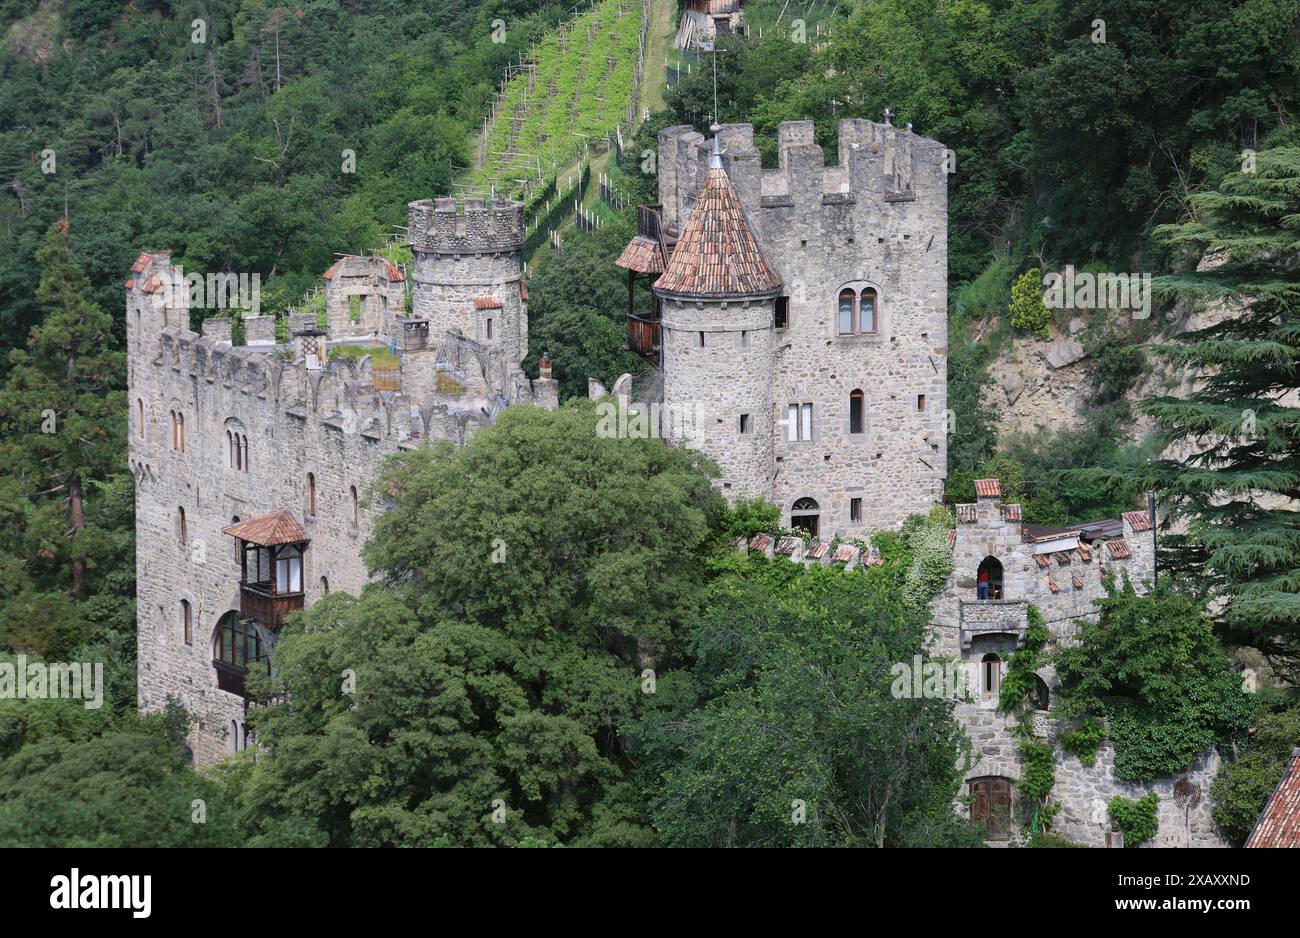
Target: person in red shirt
column 982, row 585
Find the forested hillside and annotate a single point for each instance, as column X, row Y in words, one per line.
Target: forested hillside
column 231, row 150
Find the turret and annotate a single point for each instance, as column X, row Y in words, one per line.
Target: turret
column 717, row 297
column 466, row 275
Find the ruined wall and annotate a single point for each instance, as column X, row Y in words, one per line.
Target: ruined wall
column 969, row 629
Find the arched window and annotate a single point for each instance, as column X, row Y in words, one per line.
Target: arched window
column 988, row 579
column 855, row 313
column 806, row 514
column 235, row 520
column 232, row 740
column 844, row 317
column 243, row 452
column 867, row 310
column 181, row 421
column 311, row 493
column 237, row 642
column 175, row 431
column 990, row 676
column 139, row 415
column 856, row 403
column 182, row 530
column 1042, row 697
column 324, row 586
column 187, row 623
column 356, row 517
column 288, row 570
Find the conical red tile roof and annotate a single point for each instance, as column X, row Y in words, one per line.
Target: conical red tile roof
column 717, row 254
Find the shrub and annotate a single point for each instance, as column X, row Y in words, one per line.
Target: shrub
column 1027, row 309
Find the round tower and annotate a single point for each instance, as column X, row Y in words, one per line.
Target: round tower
column 718, row 298
column 466, row 274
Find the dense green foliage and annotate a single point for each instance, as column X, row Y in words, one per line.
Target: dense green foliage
column 1152, row 667
column 1244, row 784
column 525, row 581
column 785, row 731
column 577, row 305
column 1236, row 494
column 1027, row 310
column 66, row 571
column 129, row 787
column 230, row 151
column 1136, row 819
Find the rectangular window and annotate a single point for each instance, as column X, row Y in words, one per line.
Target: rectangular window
column 288, row 575
column 782, row 317
column 744, row 339
column 744, row 423
column 799, row 423
column 186, row 621
column 701, row 340
column 855, row 509
column 489, row 328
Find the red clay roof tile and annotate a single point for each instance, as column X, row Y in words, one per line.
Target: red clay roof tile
column 717, row 254
column 486, row 302
column 988, row 488
column 1138, row 520
column 642, row 255
column 278, row 527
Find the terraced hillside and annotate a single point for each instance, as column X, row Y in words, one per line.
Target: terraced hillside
column 577, row 85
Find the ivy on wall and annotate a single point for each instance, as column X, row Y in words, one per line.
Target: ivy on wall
column 1136, row 819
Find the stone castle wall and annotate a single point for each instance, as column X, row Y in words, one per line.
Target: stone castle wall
column 878, row 218
column 333, row 424
column 970, row 629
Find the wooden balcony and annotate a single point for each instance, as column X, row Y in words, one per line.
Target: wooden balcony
column 647, row 221
column 643, row 335
column 230, row 678
column 259, row 603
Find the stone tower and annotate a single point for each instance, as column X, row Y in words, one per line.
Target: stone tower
column 852, row 355
column 717, row 300
column 467, row 272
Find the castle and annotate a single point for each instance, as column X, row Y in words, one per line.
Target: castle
column 800, row 311
column 252, row 461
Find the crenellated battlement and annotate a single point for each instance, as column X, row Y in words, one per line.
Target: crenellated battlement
column 449, row 226
column 875, row 163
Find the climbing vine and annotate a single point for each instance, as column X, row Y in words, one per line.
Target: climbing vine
column 1136, row 819
column 1016, row 699
column 1084, row 740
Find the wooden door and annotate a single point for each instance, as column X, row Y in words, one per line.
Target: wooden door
column 991, row 806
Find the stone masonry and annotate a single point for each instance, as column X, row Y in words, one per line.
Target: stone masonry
column 310, row 429
column 877, row 219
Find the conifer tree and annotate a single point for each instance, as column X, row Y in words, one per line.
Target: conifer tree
column 62, row 417
column 1237, row 493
